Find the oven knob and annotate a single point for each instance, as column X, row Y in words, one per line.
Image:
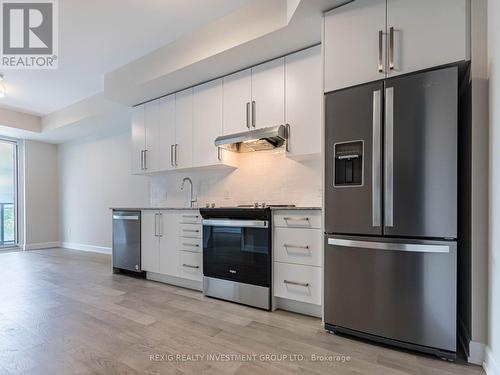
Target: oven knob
column 232, row 271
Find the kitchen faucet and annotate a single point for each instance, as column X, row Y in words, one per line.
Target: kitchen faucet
column 192, row 200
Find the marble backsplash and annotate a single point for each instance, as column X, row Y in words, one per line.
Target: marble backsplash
column 264, row 176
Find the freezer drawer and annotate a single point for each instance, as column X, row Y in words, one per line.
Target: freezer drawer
column 402, row 290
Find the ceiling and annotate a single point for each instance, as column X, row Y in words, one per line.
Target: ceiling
column 97, row 37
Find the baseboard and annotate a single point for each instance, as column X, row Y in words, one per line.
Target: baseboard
column 41, row 245
column 83, row 247
column 491, row 364
column 297, row 307
column 476, row 352
column 177, row 281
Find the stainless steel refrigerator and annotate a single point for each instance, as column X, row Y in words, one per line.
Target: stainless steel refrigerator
column 391, row 211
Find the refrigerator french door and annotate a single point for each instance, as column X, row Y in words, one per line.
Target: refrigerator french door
column 391, row 211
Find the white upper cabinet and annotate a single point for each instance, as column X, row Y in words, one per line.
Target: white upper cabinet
column 237, row 97
column 207, row 122
column 425, row 33
column 368, row 40
column 303, row 101
column 138, row 139
column 354, row 44
column 166, row 133
column 178, row 131
column 268, row 94
column 183, row 147
column 152, row 126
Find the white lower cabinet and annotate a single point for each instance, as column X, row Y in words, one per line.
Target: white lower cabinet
column 190, row 244
column 298, row 246
column 310, row 219
column 297, row 260
column 297, row 282
column 190, row 265
column 150, row 241
column 169, row 254
column 171, row 243
column 190, row 230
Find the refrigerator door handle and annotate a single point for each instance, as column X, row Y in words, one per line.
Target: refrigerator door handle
column 389, row 158
column 376, row 169
column 391, row 246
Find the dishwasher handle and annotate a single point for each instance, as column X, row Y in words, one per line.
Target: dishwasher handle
column 126, row 217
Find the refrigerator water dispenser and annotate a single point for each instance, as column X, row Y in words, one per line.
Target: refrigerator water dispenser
column 348, row 163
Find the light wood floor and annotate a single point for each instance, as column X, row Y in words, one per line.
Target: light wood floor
column 64, row 312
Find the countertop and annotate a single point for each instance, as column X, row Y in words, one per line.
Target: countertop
column 197, row 208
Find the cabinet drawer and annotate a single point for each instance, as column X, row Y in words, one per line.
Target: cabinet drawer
column 190, row 265
column 190, row 217
column 298, row 219
column 298, row 246
column 297, row 282
column 190, row 244
column 190, row 230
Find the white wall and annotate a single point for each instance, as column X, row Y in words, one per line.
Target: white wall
column 493, row 350
column 479, row 180
column 261, row 177
column 41, row 201
column 94, row 175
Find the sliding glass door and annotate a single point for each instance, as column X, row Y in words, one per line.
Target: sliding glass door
column 8, row 193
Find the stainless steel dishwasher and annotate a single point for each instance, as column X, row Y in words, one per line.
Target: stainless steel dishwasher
column 127, row 241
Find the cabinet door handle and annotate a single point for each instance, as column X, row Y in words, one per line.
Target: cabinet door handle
column 380, row 51
column 253, row 113
column 156, row 225
column 248, row 115
column 291, row 218
column 190, row 266
column 391, row 48
column 306, row 247
column 142, row 159
column 160, row 224
column 172, row 155
column 145, row 159
column 175, row 153
column 305, row 285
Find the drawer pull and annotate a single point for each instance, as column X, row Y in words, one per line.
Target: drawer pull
column 190, row 216
column 191, row 230
column 296, row 246
column 190, row 244
column 305, row 285
column 296, row 218
column 190, row 266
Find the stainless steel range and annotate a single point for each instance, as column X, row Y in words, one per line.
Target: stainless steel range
column 237, row 254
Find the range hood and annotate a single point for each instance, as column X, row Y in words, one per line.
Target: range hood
column 254, row 140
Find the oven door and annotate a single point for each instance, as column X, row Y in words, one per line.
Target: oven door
column 237, row 250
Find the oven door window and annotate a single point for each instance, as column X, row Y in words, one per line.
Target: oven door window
column 237, row 253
